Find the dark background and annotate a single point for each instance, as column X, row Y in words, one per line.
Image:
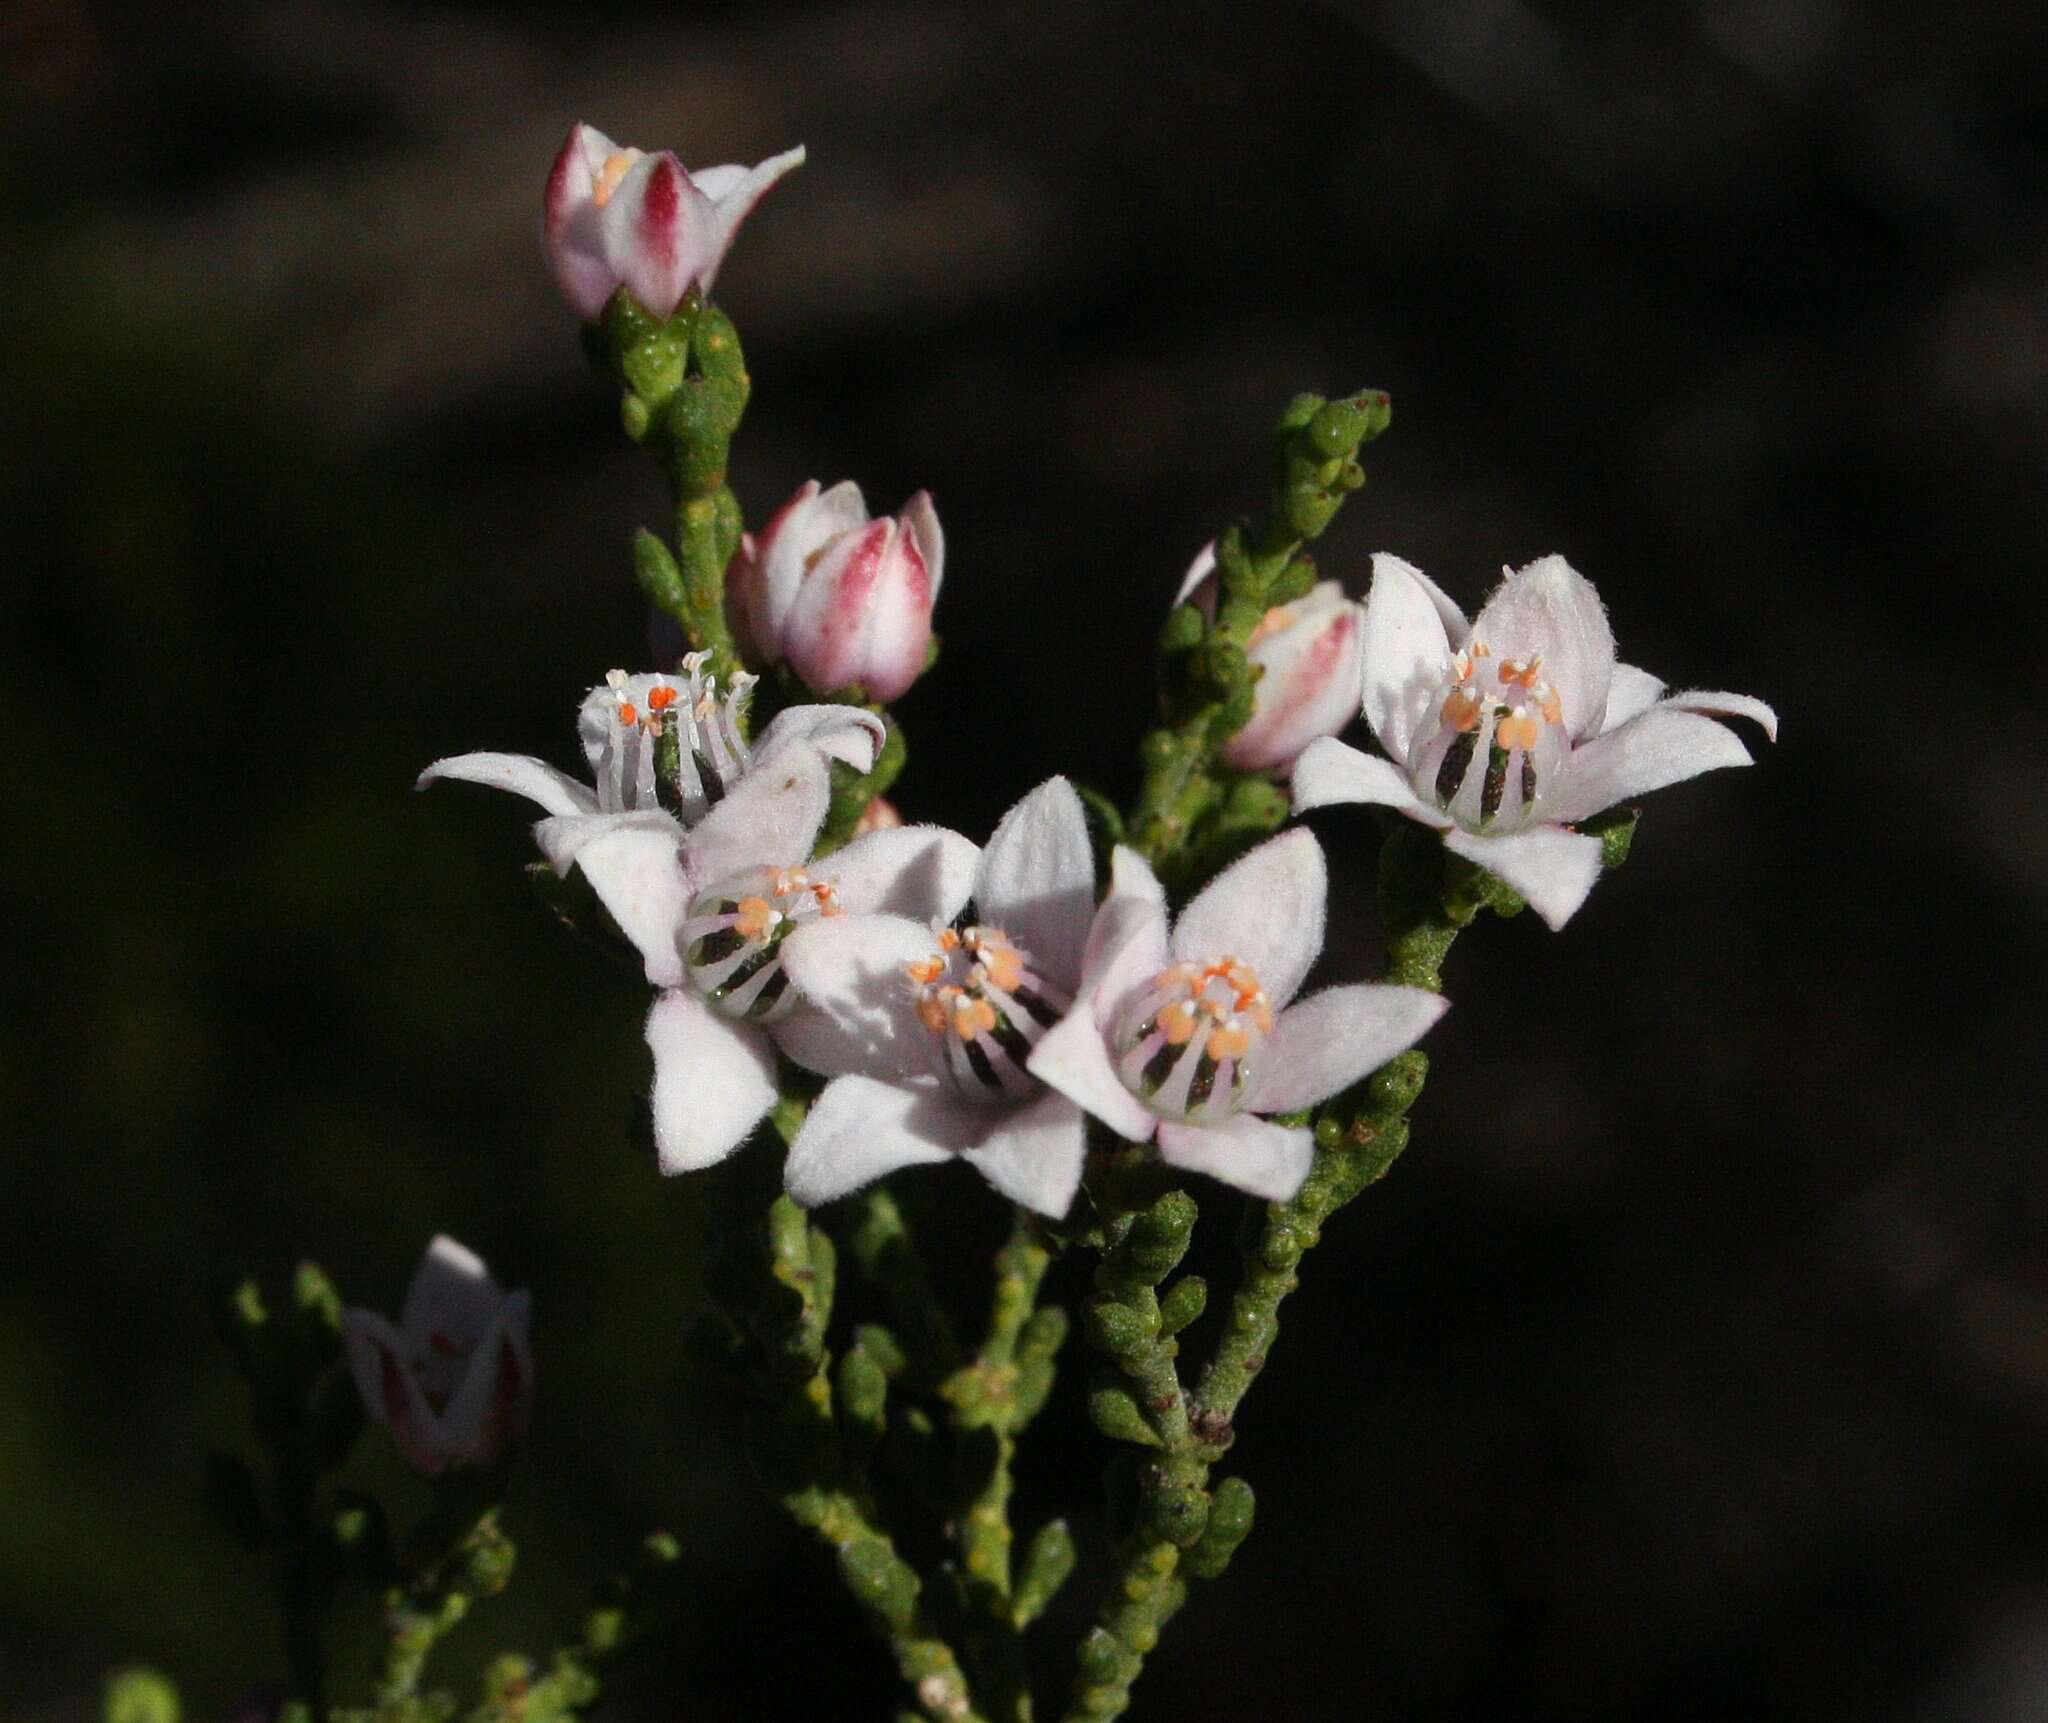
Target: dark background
column 1694, row 1363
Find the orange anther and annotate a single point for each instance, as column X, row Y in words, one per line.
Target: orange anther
column 925, row 970
column 1005, row 968
column 616, row 167
column 948, row 939
column 1518, row 729
column 1230, row 1042
column 660, row 698
column 972, row 1017
column 1177, row 1024
column 629, row 714
column 1271, row 623
column 757, row 917
column 1553, row 707
column 1461, row 711
column 931, row 1012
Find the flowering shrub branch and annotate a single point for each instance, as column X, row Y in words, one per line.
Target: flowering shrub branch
column 1100, row 1011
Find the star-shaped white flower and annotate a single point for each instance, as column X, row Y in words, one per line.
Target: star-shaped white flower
column 926, row 1031
column 1191, row 1034
column 454, row 1379
column 1504, row 732
column 710, row 894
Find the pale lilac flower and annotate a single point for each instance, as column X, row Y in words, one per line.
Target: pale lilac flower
column 844, row 598
column 454, row 1379
column 1505, row 732
column 926, row 1031
column 617, row 217
column 1191, row 1034
column 709, row 894
column 1308, row 653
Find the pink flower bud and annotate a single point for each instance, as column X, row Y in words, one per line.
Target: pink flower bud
column 1313, row 681
column 880, row 815
column 453, row 1380
column 616, row 217
column 843, row 598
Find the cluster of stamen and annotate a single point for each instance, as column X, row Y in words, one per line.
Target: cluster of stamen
column 1500, row 711
column 986, row 1009
column 732, row 938
column 677, row 745
column 1186, row 1044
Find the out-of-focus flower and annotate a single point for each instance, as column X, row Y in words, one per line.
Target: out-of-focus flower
column 617, row 217
column 844, row 598
column 1504, row 732
column 926, row 1031
column 1307, row 651
column 454, row 1379
column 665, row 754
column 1190, row 1035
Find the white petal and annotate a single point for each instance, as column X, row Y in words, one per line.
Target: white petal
column 924, row 872
column 1037, row 880
column 1199, row 570
column 523, row 775
column 769, row 818
column 1550, row 611
column 1552, row 868
column 377, row 1355
column 1329, row 1040
column 859, row 1129
column 1034, row 1154
column 1073, row 1057
column 1127, row 939
column 492, row 1403
column 845, row 733
column 1266, row 910
column 1632, row 691
column 1662, row 746
column 1268, row 1160
column 452, row 1294
column 660, row 233
column 734, row 192
column 1311, row 683
column 921, row 521
column 1405, row 654
column 1716, row 704
column 1331, row 771
column 851, row 967
column 569, row 222
column 634, row 864
column 714, row 1080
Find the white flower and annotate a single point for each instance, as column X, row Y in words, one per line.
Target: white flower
column 710, row 898
column 614, row 216
column 927, row 1031
column 1504, row 732
column 454, row 1379
column 624, row 828
column 1190, row 1035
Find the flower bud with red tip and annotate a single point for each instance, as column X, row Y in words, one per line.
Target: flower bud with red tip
column 843, row 598
column 617, row 217
column 1311, row 681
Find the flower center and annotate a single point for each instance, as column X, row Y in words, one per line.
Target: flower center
column 732, row 938
column 670, row 742
column 616, row 166
column 986, row 1009
column 1498, row 741
column 1186, row 1044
